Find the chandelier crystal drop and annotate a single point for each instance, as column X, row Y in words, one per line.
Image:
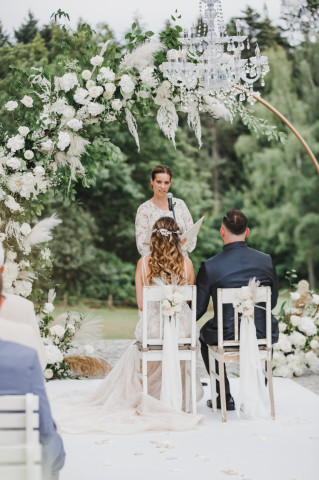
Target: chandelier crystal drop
column 301, row 16
column 211, row 62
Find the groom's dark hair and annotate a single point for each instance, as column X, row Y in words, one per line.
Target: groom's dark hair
column 235, row 221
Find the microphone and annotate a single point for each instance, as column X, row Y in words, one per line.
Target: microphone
column 169, row 197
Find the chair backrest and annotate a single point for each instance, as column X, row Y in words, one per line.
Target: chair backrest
column 20, row 449
column 227, row 296
column 155, row 294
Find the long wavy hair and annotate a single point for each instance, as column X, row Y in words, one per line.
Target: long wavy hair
column 166, row 258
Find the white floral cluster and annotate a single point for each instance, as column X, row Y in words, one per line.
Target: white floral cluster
column 297, row 350
column 172, row 301
column 244, row 303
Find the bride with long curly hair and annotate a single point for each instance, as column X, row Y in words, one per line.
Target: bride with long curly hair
column 119, row 405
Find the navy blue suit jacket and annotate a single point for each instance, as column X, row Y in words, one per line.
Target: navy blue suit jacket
column 233, row 268
column 21, row 373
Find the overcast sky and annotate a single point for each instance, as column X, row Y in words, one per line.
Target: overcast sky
column 119, row 14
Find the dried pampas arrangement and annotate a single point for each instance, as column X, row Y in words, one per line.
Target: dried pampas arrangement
column 84, row 366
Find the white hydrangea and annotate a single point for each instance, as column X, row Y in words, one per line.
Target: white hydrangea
column 295, row 320
column 10, row 273
column 27, row 101
column 68, row 112
column 59, row 105
column 282, row 326
column 86, row 74
column 96, row 61
column 95, row 91
column 25, row 229
column 284, row 343
column 13, row 163
column 67, row 82
column 314, row 344
column 297, row 339
column 95, row 109
column 313, row 361
column 23, row 131
column 28, row 154
column 48, row 373
column 28, row 184
column 315, row 299
column 283, row 371
column 23, row 288
column 117, row 104
column 38, row 171
column 307, row 325
column 47, row 146
column 81, row 96
column 75, row 124
column 294, row 296
column 279, row 358
column 57, row 330
column 109, row 90
column 15, row 143
column 106, row 74
column 12, row 204
column 147, row 77
column 11, row 105
column 54, row 354
column 63, row 140
column 126, row 83
column 297, row 363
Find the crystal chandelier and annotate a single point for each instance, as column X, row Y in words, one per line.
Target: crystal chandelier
column 210, row 61
column 301, row 16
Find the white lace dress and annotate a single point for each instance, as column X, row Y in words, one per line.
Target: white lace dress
column 148, row 213
column 119, row 405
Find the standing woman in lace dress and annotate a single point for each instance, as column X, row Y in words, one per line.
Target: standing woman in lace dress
column 157, row 206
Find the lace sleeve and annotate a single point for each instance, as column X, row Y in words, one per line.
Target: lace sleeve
column 188, row 220
column 141, row 228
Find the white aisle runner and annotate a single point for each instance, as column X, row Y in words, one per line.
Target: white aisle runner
column 284, row 449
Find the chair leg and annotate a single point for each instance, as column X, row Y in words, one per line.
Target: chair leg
column 187, row 386
column 212, row 375
column 193, row 377
column 271, row 388
column 144, row 374
column 222, row 392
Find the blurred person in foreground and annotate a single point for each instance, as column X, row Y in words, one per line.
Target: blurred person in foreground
column 21, row 373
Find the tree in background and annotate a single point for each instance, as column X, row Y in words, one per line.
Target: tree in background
column 28, row 30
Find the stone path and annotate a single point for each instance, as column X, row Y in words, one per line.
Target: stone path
column 112, row 350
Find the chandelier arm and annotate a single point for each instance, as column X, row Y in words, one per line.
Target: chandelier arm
column 289, row 125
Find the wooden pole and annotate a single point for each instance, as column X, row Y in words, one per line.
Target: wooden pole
column 289, row 125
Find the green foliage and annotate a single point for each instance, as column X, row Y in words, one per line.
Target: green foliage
column 28, row 30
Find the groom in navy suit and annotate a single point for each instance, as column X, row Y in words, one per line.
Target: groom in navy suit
column 233, row 268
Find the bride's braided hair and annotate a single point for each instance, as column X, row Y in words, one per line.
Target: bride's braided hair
column 166, row 258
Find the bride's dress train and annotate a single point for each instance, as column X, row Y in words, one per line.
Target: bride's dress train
column 119, row 405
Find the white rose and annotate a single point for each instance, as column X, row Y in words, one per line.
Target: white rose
column 315, row 299
column 279, row 359
column 12, row 204
column 15, row 143
column 27, row 101
column 143, row 94
column 67, row 82
column 38, row 171
column 294, row 296
column 297, row 339
column 86, row 74
column 314, row 344
column 28, row 154
column 109, row 90
column 126, row 84
column 10, row 273
column 48, row 308
column 48, row 373
column 295, row 320
column 47, row 145
column 75, row 124
column 13, row 163
column 166, row 85
column 117, row 104
column 90, row 84
column 63, row 140
column 23, row 288
column 54, row 355
column 81, row 96
column 106, row 74
column 68, row 112
column 11, row 105
column 89, row 349
column 11, row 256
column 95, row 109
column 284, row 343
column 307, row 325
column 95, row 91
column 23, row 131
column 25, row 229
column 283, row 371
column 96, row 61
column 56, row 330
column 282, row 326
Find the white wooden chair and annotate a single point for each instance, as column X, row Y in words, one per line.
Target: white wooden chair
column 151, row 349
column 227, row 351
column 20, row 449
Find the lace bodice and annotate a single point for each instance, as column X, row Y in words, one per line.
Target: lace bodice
column 148, row 213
